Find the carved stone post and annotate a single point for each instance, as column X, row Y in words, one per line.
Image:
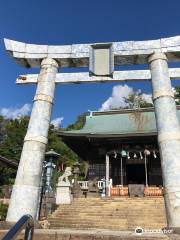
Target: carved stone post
column 25, row 194
column 168, row 135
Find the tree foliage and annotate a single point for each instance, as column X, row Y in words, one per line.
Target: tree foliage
column 3, row 211
column 12, row 133
column 177, row 95
column 136, row 100
column 54, row 142
column 79, row 123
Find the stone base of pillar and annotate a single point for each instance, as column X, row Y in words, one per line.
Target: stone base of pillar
column 7, row 225
column 174, row 230
column 63, row 193
column 24, row 196
column 48, row 205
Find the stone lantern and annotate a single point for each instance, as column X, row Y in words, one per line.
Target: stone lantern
column 51, row 157
column 76, row 190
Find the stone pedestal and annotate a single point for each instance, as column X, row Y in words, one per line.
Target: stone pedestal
column 76, row 191
column 93, row 190
column 63, row 193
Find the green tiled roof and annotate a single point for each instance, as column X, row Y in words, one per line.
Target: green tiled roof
column 115, row 123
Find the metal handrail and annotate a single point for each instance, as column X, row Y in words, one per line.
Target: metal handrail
column 26, row 222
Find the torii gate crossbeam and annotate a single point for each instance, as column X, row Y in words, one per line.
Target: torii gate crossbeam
column 84, row 77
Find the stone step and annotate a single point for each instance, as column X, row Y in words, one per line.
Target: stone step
column 94, row 220
column 103, row 226
column 126, row 208
column 118, row 198
column 109, row 212
column 117, row 203
column 108, row 209
column 113, row 203
column 90, row 226
column 115, row 216
column 114, row 207
column 108, row 205
column 146, row 206
column 162, row 220
column 80, row 222
column 106, row 220
column 109, row 223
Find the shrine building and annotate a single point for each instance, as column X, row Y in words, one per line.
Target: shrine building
column 120, row 146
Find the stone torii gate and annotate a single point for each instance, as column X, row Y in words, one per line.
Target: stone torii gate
column 101, row 59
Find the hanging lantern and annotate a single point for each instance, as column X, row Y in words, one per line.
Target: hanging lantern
column 123, row 153
column 115, row 154
column 147, row 152
column 141, row 156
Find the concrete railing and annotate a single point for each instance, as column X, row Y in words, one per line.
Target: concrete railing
column 84, row 184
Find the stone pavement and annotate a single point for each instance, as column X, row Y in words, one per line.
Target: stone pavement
column 72, row 234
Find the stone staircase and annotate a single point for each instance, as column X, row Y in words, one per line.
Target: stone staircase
column 111, row 213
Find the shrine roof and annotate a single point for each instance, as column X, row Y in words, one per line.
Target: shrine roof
column 139, row 122
column 8, row 163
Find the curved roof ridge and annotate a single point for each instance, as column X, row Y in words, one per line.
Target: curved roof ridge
column 126, row 123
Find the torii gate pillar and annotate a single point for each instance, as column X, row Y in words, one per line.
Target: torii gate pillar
column 168, row 135
column 26, row 190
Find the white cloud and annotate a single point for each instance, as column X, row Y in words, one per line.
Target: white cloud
column 173, row 90
column 14, row 112
column 147, row 97
column 57, row 122
column 119, row 93
column 117, row 99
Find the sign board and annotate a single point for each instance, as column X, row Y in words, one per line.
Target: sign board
column 101, row 62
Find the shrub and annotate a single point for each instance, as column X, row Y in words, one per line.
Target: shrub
column 3, row 211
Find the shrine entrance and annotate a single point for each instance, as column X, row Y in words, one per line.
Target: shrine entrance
column 135, row 174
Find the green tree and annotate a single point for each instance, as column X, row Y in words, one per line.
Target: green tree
column 79, row 123
column 177, row 95
column 12, row 143
column 2, row 128
column 14, row 134
column 136, row 100
column 54, row 142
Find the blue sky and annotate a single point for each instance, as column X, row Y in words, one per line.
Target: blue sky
column 78, row 21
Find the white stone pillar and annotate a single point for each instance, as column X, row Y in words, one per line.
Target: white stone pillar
column 26, row 190
column 107, row 174
column 168, row 135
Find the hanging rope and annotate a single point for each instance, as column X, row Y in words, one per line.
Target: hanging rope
column 145, row 164
column 121, row 171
